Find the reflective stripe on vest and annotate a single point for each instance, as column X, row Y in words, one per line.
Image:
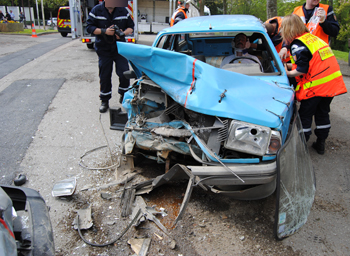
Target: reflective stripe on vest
column 324, row 78
column 320, row 81
column 319, row 30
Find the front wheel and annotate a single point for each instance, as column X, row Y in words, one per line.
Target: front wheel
column 64, row 34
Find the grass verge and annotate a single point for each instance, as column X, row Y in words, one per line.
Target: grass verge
column 341, row 55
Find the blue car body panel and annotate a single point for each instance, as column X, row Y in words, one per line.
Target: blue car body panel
column 198, row 86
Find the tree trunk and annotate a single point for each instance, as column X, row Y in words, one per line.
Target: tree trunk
column 271, row 8
column 201, row 7
column 225, row 6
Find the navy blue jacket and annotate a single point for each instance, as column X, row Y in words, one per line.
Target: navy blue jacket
column 99, row 17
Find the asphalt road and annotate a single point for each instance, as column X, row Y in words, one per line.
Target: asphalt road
column 24, row 102
column 55, row 132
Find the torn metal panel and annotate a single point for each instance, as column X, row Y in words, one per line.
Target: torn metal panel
column 176, row 173
column 158, row 143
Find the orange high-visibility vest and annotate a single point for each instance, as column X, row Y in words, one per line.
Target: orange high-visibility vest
column 319, row 30
column 279, row 22
column 324, row 78
column 172, row 20
column 279, row 46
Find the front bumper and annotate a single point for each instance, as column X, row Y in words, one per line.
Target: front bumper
column 251, row 174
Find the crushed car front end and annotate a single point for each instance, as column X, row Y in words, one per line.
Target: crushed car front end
column 225, row 127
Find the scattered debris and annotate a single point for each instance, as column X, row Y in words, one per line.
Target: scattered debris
column 141, row 206
column 107, row 195
column 85, row 221
column 21, row 179
column 106, row 186
column 140, row 246
column 242, row 238
column 172, row 244
column 64, row 187
column 134, row 220
column 176, row 173
column 159, row 237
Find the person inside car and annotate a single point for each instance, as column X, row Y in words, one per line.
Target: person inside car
column 240, row 45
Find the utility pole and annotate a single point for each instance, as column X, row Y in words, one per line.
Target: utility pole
column 42, row 12
column 37, row 12
column 30, row 14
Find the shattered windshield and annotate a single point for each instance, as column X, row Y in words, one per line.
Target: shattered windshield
column 295, row 184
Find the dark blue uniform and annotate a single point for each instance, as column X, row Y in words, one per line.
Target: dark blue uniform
column 106, row 47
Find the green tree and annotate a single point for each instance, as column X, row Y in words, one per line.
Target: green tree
column 342, row 13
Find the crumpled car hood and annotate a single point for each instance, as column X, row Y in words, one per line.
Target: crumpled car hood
column 198, row 86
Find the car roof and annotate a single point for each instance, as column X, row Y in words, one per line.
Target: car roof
column 217, row 23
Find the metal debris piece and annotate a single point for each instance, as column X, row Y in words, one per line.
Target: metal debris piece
column 106, row 195
column 84, row 216
column 141, row 205
column 140, row 246
column 159, row 237
column 64, row 187
column 177, row 172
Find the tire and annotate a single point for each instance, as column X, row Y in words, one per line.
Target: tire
column 64, row 34
column 90, row 46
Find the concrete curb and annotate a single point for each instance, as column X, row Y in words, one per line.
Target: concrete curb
column 38, row 34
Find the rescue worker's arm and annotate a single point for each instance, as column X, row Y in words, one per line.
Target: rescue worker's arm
column 293, row 73
column 104, row 31
column 283, row 53
column 302, row 56
column 328, row 22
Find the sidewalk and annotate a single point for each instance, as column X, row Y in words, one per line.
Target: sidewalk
column 344, row 68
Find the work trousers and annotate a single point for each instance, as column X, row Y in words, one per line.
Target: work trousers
column 105, row 64
column 319, row 107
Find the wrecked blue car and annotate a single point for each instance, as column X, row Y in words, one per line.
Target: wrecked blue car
column 231, row 129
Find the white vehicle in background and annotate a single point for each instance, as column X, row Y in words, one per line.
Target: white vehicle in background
column 52, row 22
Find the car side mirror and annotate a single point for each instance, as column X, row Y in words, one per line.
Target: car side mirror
column 130, row 74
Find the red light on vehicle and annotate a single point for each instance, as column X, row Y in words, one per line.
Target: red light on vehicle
column 88, row 40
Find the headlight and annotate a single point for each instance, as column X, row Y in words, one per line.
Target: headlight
column 275, row 143
column 248, row 138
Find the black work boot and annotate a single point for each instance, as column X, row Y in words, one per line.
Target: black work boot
column 104, row 106
column 319, row 145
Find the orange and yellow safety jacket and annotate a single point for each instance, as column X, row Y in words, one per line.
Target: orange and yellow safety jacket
column 279, row 22
column 173, row 17
column 324, row 78
column 319, row 30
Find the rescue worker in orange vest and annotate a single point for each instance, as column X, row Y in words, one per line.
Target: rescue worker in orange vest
column 328, row 25
column 318, row 75
column 180, row 13
column 273, row 27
